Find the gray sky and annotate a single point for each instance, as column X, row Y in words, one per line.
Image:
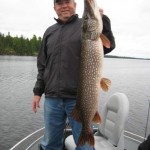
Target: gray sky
column 129, row 18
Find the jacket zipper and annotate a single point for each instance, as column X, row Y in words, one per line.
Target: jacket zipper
column 59, row 59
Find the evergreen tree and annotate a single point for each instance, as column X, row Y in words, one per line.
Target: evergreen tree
column 19, row 45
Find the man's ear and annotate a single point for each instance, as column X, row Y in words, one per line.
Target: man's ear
column 75, row 4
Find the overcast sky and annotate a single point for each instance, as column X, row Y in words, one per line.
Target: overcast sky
column 130, row 21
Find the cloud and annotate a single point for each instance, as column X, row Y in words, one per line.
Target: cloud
column 129, row 19
column 25, row 17
column 130, row 25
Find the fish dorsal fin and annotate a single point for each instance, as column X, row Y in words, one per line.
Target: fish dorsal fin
column 105, row 40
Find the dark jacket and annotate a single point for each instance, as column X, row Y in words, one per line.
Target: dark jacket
column 59, row 57
column 145, row 145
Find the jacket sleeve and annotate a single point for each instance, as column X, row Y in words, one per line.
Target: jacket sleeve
column 41, row 60
column 108, row 33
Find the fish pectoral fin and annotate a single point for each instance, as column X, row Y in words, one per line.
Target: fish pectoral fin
column 75, row 114
column 105, row 41
column 86, row 137
column 97, row 118
column 105, row 84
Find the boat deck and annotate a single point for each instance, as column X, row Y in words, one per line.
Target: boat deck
column 31, row 142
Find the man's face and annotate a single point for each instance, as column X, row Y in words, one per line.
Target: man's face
column 65, row 9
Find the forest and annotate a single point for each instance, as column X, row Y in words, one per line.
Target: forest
column 21, row 46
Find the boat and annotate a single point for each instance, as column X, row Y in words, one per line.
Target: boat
column 31, row 142
column 111, row 123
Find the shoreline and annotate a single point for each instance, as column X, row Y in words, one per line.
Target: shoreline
column 106, row 56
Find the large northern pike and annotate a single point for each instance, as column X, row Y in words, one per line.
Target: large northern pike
column 90, row 81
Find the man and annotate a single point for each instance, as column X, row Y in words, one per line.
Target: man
column 58, row 70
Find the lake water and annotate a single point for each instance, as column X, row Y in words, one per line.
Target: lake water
column 18, row 76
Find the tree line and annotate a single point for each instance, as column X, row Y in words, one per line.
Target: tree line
column 19, row 45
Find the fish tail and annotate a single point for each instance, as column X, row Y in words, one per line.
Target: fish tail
column 97, row 118
column 105, row 84
column 75, row 114
column 86, row 138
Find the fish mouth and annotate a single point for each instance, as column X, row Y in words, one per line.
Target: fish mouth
column 90, row 7
column 91, row 3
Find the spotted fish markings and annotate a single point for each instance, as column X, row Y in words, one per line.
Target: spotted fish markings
column 90, row 79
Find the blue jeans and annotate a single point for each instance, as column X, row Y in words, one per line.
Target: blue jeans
column 56, row 110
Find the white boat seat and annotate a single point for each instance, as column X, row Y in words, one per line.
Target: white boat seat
column 110, row 135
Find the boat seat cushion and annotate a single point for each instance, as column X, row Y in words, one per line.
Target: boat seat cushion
column 102, row 144
column 69, row 143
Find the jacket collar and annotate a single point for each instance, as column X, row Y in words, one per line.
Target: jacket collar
column 71, row 19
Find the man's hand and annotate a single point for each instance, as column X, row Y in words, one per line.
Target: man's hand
column 35, row 103
column 101, row 11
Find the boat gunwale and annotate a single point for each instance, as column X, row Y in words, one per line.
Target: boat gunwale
column 21, row 141
column 33, row 143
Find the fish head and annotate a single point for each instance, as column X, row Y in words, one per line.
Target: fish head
column 92, row 20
